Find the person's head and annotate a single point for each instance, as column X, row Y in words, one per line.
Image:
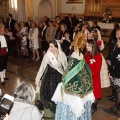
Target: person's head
column 40, row 25
column 87, row 24
column 16, row 25
column 118, row 34
column 94, row 32
column 53, row 46
column 6, row 30
column 92, row 47
column 118, row 43
column 33, row 25
column 24, row 92
column 45, row 23
column 29, row 19
column 95, row 37
column 22, row 24
column 67, row 34
column 76, row 28
column 51, row 24
column 94, row 22
column 78, row 24
column 45, row 18
column 2, row 30
column 116, row 26
column 57, row 18
column 63, row 27
column 10, row 16
column 56, row 26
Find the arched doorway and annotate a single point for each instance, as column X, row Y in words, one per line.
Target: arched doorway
column 45, row 9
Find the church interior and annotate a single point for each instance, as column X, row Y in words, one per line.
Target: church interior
column 20, row 68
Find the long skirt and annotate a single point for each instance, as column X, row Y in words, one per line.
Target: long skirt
column 64, row 112
column 116, row 84
column 51, row 78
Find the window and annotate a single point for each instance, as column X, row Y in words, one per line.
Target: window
column 14, row 4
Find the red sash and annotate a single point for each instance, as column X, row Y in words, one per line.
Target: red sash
column 3, row 51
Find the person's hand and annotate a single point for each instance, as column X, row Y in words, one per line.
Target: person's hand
column 71, row 45
column 108, row 62
column 110, row 76
column 68, row 40
column 61, row 41
column 38, row 83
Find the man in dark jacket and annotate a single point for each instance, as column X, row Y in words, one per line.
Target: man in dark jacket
column 10, row 22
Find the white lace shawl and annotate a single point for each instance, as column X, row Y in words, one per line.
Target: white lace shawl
column 59, row 64
column 105, row 81
column 77, row 55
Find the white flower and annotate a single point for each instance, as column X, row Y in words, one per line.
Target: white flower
column 118, row 57
column 92, row 61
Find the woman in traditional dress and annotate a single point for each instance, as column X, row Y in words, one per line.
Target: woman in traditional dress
column 50, row 75
column 116, row 80
column 75, row 98
column 94, row 60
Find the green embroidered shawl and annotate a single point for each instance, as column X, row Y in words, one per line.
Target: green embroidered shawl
column 77, row 78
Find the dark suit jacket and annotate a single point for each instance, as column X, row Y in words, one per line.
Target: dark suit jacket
column 112, row 57
column 113, row 53
column 11, row 24
column 43, row 36
column 28, row 25
column 45, row 44
column 68, row 23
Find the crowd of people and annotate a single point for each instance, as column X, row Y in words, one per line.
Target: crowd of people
column 28, row 36
column 73, row 70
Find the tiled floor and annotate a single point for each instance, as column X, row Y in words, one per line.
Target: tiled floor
column 20, row 69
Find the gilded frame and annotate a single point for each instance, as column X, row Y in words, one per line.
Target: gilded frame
column 74, row 1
